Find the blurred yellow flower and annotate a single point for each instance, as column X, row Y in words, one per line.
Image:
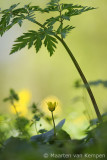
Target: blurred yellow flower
column 22, row 104
column 53, row 103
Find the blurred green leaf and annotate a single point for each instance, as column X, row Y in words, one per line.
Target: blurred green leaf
column 21, row 125
column 37, row 118
column 14, row 95
column 45, row 137
column 42, row 131
column 6, row 99
column 34, row 108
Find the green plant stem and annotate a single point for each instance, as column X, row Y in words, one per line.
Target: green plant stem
column 83, row 78
column 79, row 71
column 61, row 21
column 36, row 128
column 15, row 108
column 53, row 124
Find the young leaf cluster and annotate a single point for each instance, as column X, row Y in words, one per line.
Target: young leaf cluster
column 37, row 115
column 12, row 97
column 48, row 32
column 34, row 38
column 15, row 15
column 22, row 125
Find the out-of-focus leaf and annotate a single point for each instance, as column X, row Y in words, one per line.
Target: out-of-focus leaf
column 42, row 131
column 37, row 118
column 14, row 95
column 45, row 137
column 6, row 99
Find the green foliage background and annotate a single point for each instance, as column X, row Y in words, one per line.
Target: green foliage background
column 45, row 76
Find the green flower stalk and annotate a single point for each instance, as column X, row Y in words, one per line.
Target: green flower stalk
column 51, row 107
column 12, row 98
column 12, row 103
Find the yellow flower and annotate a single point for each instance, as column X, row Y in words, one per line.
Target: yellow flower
column 22, row 104
column 51, row 106
column 52, row 99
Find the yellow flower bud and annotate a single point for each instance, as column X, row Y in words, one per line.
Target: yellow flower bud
column 51, row 106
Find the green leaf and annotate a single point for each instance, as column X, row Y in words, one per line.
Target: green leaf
column 34, row 106
column 6, row 99
column 38, row 43
column 50, row 43
column 51, row 21
column 52, row 6
column 30, row 38
column 74, row 12
column 66, row 17
column 13, row 6
column 63, row 135
column 14, row 16
column 30, row 18
column 4, row 22
column 11, row 17
column 59, row 29
column 19, row 11
column 18, row 46
column 18, row 20
column 35, row 8
column 21, row 123
column 54, row 2
column 64, row 31
column 47, row 31
column 10, row 9
column 69, row 6
column 60, row 125
column 14, row 95
column 45, row 137
column 37, row 118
